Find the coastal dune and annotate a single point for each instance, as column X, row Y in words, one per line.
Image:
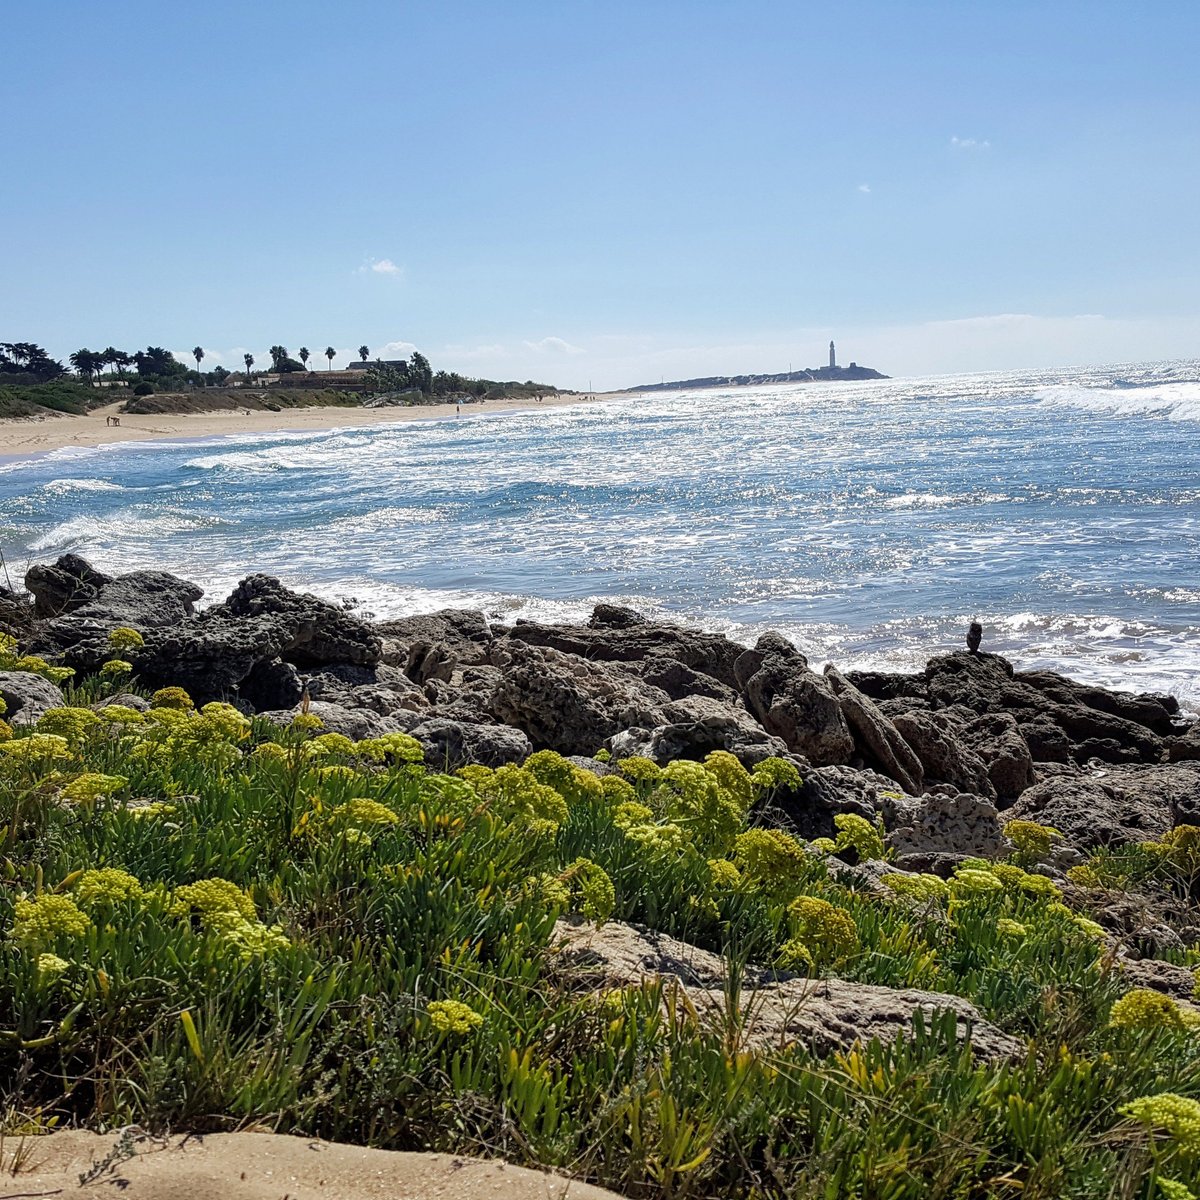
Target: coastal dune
column 265, row 1166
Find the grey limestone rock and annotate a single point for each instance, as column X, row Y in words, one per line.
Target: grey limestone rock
column 64, row 585
column 875, row 737
column 27, row 696
column 945, row 756
column 792, row 703
column 451, row 744
column 354, row 723
column 464, row 631
column 940, row 824
column 823, row 1015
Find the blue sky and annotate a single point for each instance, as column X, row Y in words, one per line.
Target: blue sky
column 610, row 192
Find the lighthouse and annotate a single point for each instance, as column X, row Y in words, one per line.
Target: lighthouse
column 832, row 359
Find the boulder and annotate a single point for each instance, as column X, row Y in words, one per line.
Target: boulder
column 792, row 703
column 825, row 793
column 381, row 688
column 709, row 653
column 875, row 737
column 694, row 738
column 679, row 681
column 997, row 740
column 430, row 660
column 1159, row 976
column 271, row 684
column 945, row 757
column 565, row 703
column 615, row 616
column 27, row 696
column 463, row 630
column 822, row 1015
column 451, row 744
column 354, row 723
column 321, row 632
column 64, row 585
column 942, row 824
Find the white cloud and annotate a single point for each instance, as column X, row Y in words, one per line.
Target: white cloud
column 380, row 266
column 969, row 143
column 864, row 187
column 553, row 345
column 395, row 350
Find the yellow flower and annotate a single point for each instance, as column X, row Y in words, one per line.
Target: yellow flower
column 1178, row 1115
column 597, row 895
column 307, row 721
column 768, row 856
column 71, row 723
column 827, row 933
column 329, row 743
column 108, row 885
column 38, row 747
column 116, row 667
column 210, row 898
column 391, row 747
column 453, row 1017
column 774, row 773
column 46, row 917
column 120, row 714
column 362, row 811
column 88, row 788
column 50, row 967
column 123, row 638
column 917, row 887
column 172, row 697
column 1007, row 927
column 1143, row 1008
column 639, row 769
column 1032, row 841
column 857, row 833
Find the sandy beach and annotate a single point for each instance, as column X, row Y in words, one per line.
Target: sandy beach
column 27, row 436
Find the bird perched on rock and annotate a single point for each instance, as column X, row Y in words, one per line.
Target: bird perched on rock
column 974, row 636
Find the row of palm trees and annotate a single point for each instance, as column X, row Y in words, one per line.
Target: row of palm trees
column 91, row 363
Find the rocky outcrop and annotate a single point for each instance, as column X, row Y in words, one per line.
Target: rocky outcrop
column 822, row 1015
column 27, row 696
column 452, row 744
column 64, row 585
column 961, row 824
column 793, row 704
column 876, row 739
column 945, row 756
column 563, row 702
column 464, row 631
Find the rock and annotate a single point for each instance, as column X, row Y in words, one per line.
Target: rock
column 1160, row 976
column 615, row 616
column 679, row 681
column 823, row 1015
column 945, row 756
column 430, row 660
column 875, row 737
column 792, row 703
column 381, row 688
column 16, row 615
column 886, row 686
column 1185, row 747
column 769, row 645
column 463, row 630
column 63, row 586
column 1046, row 741
column 270, row 684
column 937, row 824
column 824, row 793
column 565, row 703
column 997, row 740
column 695, row 738
column 1113, row 805
column 322, row 633
column 354, row 723
column 451, row 744
column 709, row 653
column 125, row 700
column 27, row 696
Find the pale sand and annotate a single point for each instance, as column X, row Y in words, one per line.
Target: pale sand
column 266, row 1166
column 26, row 436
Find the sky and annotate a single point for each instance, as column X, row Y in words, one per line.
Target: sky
column 598, row 194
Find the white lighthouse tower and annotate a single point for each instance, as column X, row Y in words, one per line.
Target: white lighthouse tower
column 832, row 358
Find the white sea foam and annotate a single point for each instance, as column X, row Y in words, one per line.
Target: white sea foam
column 1176, row 401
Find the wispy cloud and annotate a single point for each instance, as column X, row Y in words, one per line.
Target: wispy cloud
column 395, row 350
column 864, row 187
column 970, row 143
column 554, row 345
column 381, row 266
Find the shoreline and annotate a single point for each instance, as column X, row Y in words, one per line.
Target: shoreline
column 26, row 438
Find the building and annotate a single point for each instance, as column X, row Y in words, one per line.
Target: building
column 832, row 357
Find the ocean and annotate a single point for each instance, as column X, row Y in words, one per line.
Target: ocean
column 870, row 522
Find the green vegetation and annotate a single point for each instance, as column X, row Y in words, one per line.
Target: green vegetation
column 34, row 399
column 206, row 920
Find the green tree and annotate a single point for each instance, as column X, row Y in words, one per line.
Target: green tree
column 330, row 353
column 278, row 355
column 364, row 352
column 419, row 373
column 109, row 356
column 198, row 355
column 304, row 356
column 248, row 359
column 86, row 362
column 28, row 358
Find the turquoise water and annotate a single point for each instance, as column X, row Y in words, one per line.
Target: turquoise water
column 871, row 522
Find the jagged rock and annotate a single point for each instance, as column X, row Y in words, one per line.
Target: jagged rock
column 1157, row 713
column 381, row 688
column 565, row 703
column 125, row 700
column 323, row 633
column 16, row 615
column 794, row 704
column 1111, row 805
column 1167, row 977
column 937, row 824
column 679, row 681
column 875, row 737
column 824, row 793
column 769, row 645
column 271, row 684
column 694, row 739
column 615, row 616
column 463, row 630
column 945, row 757
column 1185, row 747
column 430, row 660
column 451, row 744
column 27, row 696
column 886, row 686
column 1046, row 741
column 997, row 740
column 709, row 653
column 823, row 1015
column 355, row 723
column 64, row 585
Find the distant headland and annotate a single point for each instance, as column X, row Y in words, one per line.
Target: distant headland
column 831, row 373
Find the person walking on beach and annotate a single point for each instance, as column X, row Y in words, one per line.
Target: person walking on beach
column 458, row 408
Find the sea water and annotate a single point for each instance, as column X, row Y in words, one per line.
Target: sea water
column 870, row 522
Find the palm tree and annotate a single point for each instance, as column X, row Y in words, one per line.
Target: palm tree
column 248, row 359
column 198, row 355
column 363, row 351
column 86, row 362
column 278, row 357
column 303, row 353
column 329, row 354
column 110, row 357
